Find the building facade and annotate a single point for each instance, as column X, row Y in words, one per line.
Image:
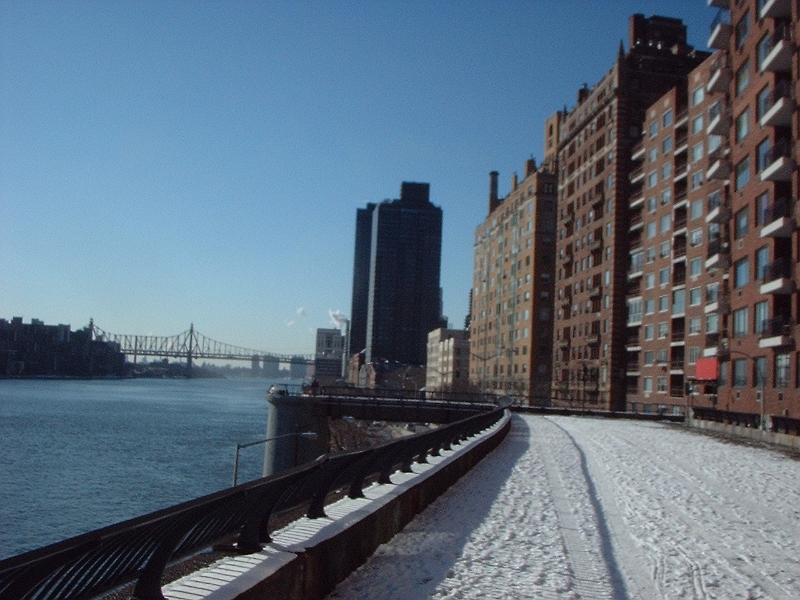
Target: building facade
column 512, row 292
column 595, row 194
column 328, row 363
column 447, row 367
column 396, row 289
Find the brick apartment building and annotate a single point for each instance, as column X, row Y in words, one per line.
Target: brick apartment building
column 596, row 202
column 753, row 84
column 512, row 292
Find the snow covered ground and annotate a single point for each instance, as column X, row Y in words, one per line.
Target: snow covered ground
column 587, row 508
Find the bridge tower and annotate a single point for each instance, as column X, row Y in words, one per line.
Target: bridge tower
column 190, row 351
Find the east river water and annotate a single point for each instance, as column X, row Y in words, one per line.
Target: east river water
column 79, row 455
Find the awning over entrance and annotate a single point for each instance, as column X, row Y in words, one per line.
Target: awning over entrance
column 706, row 369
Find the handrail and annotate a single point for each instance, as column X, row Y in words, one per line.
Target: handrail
column 139, row 549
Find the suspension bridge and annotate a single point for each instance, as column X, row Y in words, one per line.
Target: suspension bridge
column 190, row 345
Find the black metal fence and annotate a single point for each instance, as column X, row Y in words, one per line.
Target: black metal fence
column 139, row 549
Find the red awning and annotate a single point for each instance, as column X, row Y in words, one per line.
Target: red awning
column 706, row 369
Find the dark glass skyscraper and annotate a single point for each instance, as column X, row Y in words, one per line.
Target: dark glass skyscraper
column 396, row 293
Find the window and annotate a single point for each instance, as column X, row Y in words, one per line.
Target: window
column 666, row 145
column 661, row 385
column 722, row 380
column 762, row 155
column 652, row 179
column 741, row 273
column 742, row 78
column 692, row 354
column 760, row 371
column 665, row 223
column 648, row 332
column 739, row 372
column 697, row 124
column 664, row 249
column 762, row 51
column 649, row 306
column 696, row 209
column 697, row 180
column 740, row 321
column 666, row 170
column 647, row 384
column 697, row 152
column 714, row 142
column 696, row 237
column 742, row 29
column 762, row 103
column 650, row 281
column 712, row 323
column 666, row 196
column 651, row 229
column 695, row 297
column 651, row 255
column 762, row 203
column 652, row 155
column 648, row 357
column 666, row 119
column 782, row 370
column 651, row 204
column 663, row 276
column 678, row 302
column 740, row 224
column 695, row 267
column 762, row 262
column 698, row 95
column 634, row 311
column 662, row 355
column 653, row 129
column 743, row 173
column 663, row 330
column 663, row 303
column 694, row 326
column 760, row 316
column 742, row 125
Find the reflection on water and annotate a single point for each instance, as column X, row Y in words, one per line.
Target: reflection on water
column 78, row 455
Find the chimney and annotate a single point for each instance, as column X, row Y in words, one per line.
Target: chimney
column 493, row 202
column 514, row 182
column 530, row 167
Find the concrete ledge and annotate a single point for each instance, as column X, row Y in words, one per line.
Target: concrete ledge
column 770, row 437
column 309, row 557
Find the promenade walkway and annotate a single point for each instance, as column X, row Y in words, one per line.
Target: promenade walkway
column 588, row 508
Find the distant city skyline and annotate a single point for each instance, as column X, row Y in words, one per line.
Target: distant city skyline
column 163, row 164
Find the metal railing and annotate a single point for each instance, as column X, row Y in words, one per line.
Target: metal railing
column 140, row 549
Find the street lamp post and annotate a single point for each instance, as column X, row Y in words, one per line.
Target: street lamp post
column 483, row 359
column 302, row 434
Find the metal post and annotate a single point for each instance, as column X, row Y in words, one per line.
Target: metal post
column 311, row 435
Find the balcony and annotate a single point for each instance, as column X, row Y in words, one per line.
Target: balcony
column 718, row 301
column 718, row 256
column 596, row 243
column 676, row 366
column 716, row 344
column 718, row 211
column 678, row 253
column 569, row 217
column 563, row 343
column 566, row 302
column 779, row 58
column 566, row 255
column 719, row 167
column 637, row 175
column 720, row 76
column 719, row 3
column 595, row 291
column 637, row 152
column 776, row 332
column 776, row 9
column 777, row 277
column 636, row 221
column 777, row 221
column 720, row 31
column 779, row 162
column 633, row 341
column 593, row 338
column 632, row 367
column 719, row 119
column 778, row 109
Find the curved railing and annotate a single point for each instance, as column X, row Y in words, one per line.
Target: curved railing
column 93, row 563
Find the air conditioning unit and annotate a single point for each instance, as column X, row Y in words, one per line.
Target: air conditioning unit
column 759, row 395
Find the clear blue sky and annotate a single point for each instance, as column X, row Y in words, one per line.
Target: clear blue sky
column 175, row 162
